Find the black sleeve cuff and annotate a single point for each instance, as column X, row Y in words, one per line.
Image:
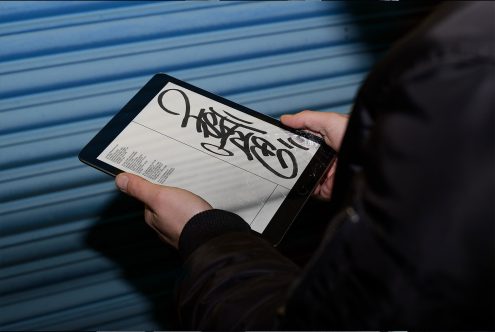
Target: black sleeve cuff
column 205, row 226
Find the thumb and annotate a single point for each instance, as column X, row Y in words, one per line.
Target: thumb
column 314, row 121
column 137, row 187
column 331, row 126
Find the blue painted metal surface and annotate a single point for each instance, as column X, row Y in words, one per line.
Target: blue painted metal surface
column 74, row 253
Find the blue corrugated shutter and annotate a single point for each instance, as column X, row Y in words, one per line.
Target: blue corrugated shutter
column 75, row 254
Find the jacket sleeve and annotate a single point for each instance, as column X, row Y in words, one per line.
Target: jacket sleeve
column 233, row 279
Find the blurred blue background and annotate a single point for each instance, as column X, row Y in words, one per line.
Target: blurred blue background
column 74, row 253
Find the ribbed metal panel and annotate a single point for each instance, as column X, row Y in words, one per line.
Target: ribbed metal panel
column 75, row 254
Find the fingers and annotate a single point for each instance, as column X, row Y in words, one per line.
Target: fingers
column 324, row 189
column 153, row 221
column 138, row 187
column 167, row 209
column 331, row 126
column 305, row 120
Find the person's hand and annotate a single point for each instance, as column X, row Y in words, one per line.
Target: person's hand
column 167, row 209
column 331, row 126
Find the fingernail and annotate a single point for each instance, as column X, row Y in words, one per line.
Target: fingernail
column 121, row 182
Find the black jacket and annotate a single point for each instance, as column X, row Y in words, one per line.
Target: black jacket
column 414, row 188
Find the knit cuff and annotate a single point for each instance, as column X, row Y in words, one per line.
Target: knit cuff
column 207, row 225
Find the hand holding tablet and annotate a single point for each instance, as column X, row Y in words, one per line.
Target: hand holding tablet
column 166, row 209
column 174, row 134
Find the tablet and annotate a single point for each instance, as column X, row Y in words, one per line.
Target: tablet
column 173, row 133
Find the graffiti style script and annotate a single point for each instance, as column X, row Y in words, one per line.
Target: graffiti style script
column 228, row 128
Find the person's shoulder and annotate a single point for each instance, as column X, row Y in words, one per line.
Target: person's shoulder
column 453, row 32
column 460, row 24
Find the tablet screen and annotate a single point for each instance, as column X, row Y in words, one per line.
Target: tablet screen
column 233, row 160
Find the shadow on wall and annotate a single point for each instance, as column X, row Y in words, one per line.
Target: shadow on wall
column 146, row 263
column 395, row 19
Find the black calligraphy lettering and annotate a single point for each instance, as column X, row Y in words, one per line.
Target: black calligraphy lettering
column 267, row 149
column 285, row 143
column 240, row 133
column 186, row 102
column 216, row 149
column 242, row 142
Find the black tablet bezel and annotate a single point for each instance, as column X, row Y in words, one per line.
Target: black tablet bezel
column 298, row 195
